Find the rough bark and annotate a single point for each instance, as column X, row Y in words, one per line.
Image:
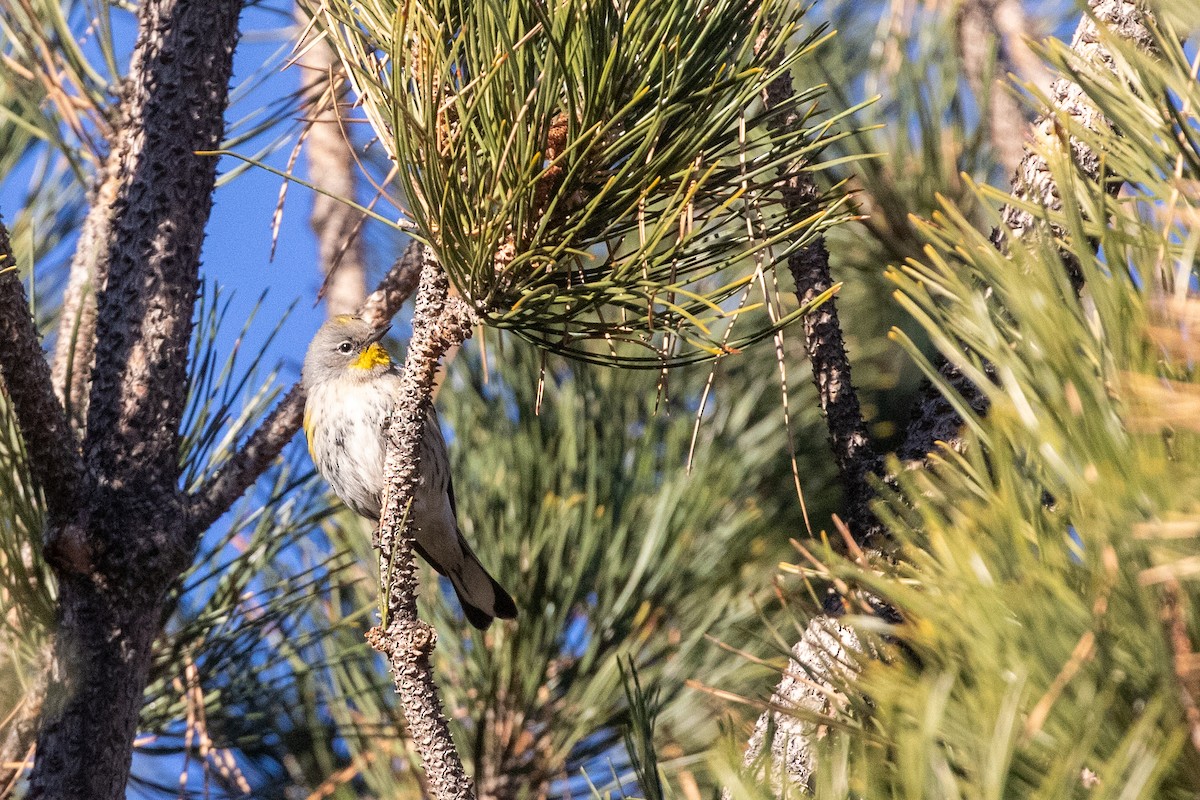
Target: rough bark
column 263, row 446
column 439, row 322
column 848, row 437
column 780, row 748
column 117, row 556
column 75, row 346
column 935, row 419
column 54, row 464
column 853, row 453
column 53, row 460
column 331, row 166
column 1033, row 181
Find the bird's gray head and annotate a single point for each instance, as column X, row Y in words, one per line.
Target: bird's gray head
column 345, row 346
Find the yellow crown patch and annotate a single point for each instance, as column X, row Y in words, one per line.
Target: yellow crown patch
column 374, row 356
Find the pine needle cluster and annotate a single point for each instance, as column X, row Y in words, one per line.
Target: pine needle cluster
column 1045, row 575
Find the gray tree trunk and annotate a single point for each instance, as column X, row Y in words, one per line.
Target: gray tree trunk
column 127, row 539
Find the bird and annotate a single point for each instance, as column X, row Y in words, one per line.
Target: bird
column 350, row 384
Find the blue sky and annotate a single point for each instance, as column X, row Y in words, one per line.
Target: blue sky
column 237, row 249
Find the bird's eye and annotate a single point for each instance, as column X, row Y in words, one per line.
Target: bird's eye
column 345, row 347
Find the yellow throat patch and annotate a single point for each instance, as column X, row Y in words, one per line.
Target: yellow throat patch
column 374, row 356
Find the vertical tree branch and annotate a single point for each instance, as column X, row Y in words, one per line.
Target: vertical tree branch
column 75, row 346
column 1033, row 181
column 132, row 521
column 823, row 340
column 160, row 211
column 935, row 420
column 331, row 167
column 780, row 748
column 439, row 323
column 53, row 462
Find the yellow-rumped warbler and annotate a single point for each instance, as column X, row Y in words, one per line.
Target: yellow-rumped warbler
column 351, row 385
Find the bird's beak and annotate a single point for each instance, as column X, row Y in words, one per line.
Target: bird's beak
column 378, row 334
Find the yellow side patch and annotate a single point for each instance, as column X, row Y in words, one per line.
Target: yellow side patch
column 308, row 435
column 374, row 356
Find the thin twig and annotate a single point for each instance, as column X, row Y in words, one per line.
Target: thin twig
column 439, row 323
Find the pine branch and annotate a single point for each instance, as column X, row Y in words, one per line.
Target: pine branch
column 823, row 340
column 160, row 209
column 439, row 323
column 820, row 662
column 853, row 453
column 75, row 347
column 53, row 459
column 1033, row 181
column 791, row 757
column 264, row 445
column 552, row 252
column 935, row 419
column 397, row 286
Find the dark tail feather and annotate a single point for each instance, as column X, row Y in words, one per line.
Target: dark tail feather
column 482, row 598
column 503, row 605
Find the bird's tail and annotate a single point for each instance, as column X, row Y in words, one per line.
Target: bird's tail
column 482, row 598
